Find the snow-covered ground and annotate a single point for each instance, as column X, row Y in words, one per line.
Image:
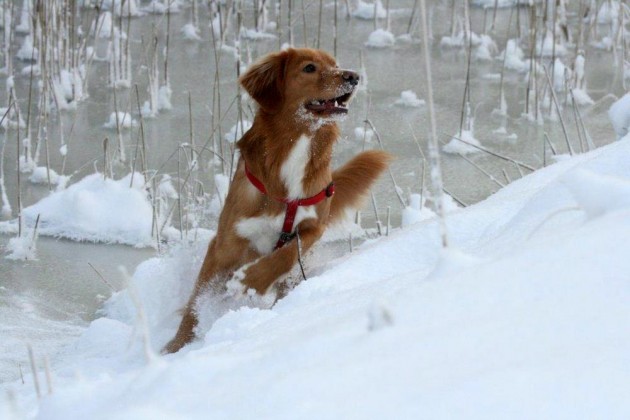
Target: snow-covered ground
column 525, row 315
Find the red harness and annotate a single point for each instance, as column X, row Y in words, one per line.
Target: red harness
column 292, row 206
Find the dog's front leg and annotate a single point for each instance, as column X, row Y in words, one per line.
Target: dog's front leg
column 220, row 259
column 261, row 275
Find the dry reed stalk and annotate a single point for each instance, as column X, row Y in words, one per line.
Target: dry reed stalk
column 298, row 244
column 319, row 23
column 379, row 225
column 18, row 170
column 34, row 236
column 290, row 22
column 304, row 34
column 105, row 159
column 495, row 154
column 413, row 15
column 335, row 26
column 100, row 276
column 460, row 202
column 5, row 209
column 486, row 173
column 391, row 175
column 434, row 153
column 49, row 382
column 555, row 101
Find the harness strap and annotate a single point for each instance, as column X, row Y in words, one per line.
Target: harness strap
column 292, row 206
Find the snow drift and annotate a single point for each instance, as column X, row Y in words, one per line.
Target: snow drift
column 525, row 316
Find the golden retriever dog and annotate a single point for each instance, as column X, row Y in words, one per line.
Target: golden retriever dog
column 283, row 184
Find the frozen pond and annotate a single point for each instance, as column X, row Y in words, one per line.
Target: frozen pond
column 45, row 302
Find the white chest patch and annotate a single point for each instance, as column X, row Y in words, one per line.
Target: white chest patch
column 263, row 232
column 292, row 171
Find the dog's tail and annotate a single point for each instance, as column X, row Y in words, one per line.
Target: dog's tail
column 354, row 179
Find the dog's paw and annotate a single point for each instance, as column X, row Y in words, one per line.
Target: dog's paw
column 235, row 288
column 173, row 346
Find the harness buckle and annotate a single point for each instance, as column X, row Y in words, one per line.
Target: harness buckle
column 286, row 236
column 330, row 189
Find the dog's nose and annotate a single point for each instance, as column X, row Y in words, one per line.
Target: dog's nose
column 350, row 77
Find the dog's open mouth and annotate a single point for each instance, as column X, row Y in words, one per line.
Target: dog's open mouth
column 337, row 105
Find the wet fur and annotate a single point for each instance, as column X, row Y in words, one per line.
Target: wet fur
column 280, row 86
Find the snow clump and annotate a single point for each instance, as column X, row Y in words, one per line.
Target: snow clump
column 120, row 119
column 408, row 98
column 381, row 38
column 465, row 147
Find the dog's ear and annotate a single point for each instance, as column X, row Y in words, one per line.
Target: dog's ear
column 264, row 81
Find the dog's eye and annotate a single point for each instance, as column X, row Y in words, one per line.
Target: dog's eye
column 310, row 68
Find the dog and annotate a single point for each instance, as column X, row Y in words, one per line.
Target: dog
column 283, row 184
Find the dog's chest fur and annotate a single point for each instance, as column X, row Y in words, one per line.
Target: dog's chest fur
column 263, row 231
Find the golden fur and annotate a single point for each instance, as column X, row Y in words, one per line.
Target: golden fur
column 295, row 90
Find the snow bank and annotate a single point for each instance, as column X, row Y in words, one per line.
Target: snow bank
column 619, row 114
column 525, row 317
column 94, row 209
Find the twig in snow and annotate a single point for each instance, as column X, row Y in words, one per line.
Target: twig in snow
column 31, row 358
column 490, row 152
column 555, row 101
column 100, row 276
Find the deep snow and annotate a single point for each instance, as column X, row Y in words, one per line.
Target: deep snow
column 525, row 316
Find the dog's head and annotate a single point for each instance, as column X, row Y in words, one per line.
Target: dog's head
column 301, row 81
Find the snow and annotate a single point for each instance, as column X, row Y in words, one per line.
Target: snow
column 523, row 316
column 363, row 134
column 190, row 32
column 364, row 10
column 546, row 46
column 23, row 247
column 237, row 131
column 416, row 211
column 582, row 98
column 121, row 120
column 408, row 98
column 94, row 209
column 514, row 56
column 462, row 144
column 41, row 175
column 619, row 114
column 486, row 49
column 498, row 3
column 608, row 12
column 27, row 51
column 381, row 38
